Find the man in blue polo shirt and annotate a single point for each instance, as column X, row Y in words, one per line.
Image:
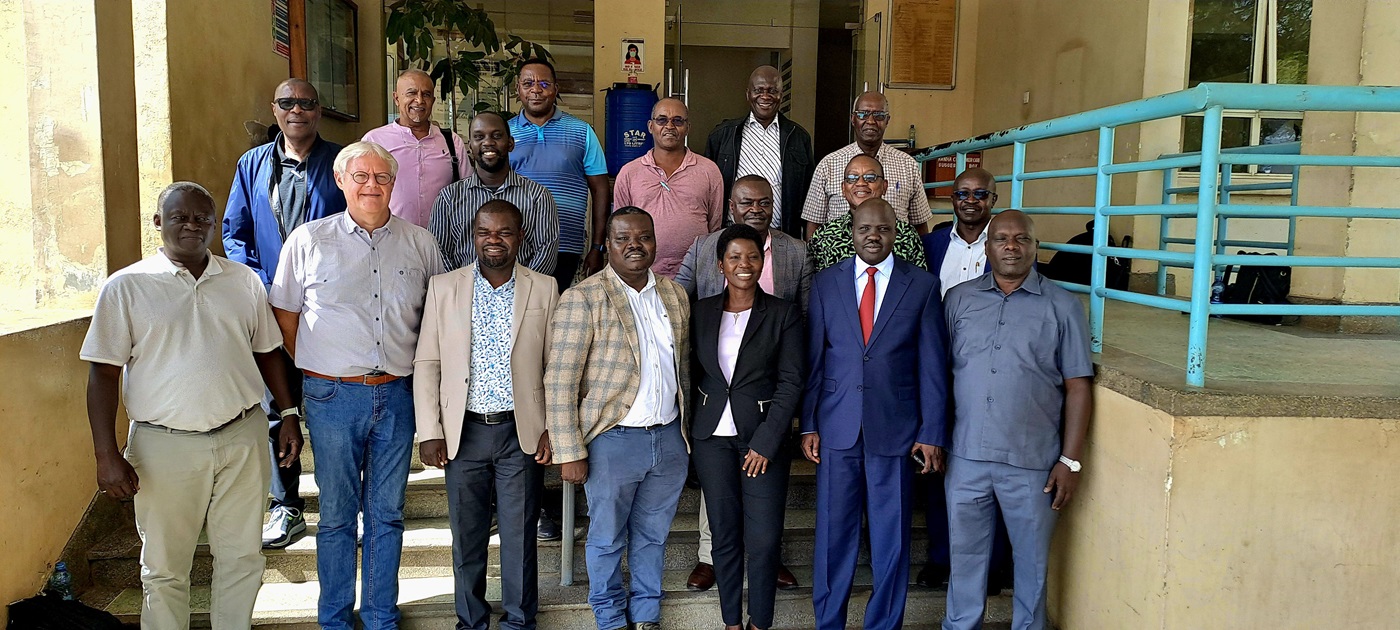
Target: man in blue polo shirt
column 563, row 154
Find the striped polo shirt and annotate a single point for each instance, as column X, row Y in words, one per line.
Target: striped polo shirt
column 560, row 155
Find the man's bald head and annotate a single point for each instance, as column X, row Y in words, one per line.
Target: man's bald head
column 873, row 230
column 669, row 134
column 297, row 85
column 869, row 117
column 764, row 93
column 977, row 175
column 974, row 196
column 669, row 103
column 1011, row 246
column 296, row 106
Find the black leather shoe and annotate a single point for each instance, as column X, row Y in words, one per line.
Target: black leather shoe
column 786, row 580
column 996, row 581
column 933, row 576
column 702, row 578
column 548, row 529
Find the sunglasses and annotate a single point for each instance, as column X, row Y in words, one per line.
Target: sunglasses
column 286, row 104
column 362, row 177
column 675, row 121
column 869, row 178
column 862, row 115
column 981, row 194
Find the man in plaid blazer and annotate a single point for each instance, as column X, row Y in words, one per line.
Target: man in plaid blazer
column 616, row 391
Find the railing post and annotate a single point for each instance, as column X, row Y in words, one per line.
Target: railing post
column 1103, row 197
column 566, row 543
column 961, row 164
column 1293, row 201
column 1018, row 167
column 1222, row 227
column 1163, row 229
column 1202, row 268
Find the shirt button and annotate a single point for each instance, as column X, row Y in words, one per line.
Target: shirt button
column 867, row 358
column 860, row 388
column 989, row 399
column 998, row 346
column 1001, row 323
column 994, row 370
column 375, row 270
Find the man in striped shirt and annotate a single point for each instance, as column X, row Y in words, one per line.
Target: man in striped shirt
column 563, row 154
column 489, row 143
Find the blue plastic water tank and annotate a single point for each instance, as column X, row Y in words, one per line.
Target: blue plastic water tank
column 626, row 111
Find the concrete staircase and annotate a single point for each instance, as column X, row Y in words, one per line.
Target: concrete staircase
column 287, row 600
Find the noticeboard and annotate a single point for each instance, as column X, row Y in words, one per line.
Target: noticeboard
column 923, row 44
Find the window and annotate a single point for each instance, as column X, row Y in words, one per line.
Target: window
column 1249, row 41
column 329, row 55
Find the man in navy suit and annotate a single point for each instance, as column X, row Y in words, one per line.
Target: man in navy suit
column 878, row 368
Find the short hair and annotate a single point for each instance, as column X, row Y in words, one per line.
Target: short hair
column 364, row 149
column 183, row 187
column 537, row 61
column 500, row 206
column 489, row 112
column 669, row 98
column 878, row 165
column 738, row 231
column 414, row 72
column 295, row 81
column 627, row 211
column 751, row 179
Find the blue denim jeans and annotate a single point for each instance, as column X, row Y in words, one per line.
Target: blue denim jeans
column 635, row 477
column 363, row 438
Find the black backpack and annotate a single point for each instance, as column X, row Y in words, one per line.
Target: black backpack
column 51, row 612
column 1255, row 284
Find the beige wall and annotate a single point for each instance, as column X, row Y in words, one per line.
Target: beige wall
column 614, row 20
column 200, row 135
column 47, row 463
column 937, row 115
column 1229, row 522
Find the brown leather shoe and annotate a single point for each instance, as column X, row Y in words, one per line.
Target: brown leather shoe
column 786, row 580
column 702, row 578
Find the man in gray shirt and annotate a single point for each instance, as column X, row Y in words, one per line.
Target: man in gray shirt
column 1023, row 387
column 348, row 298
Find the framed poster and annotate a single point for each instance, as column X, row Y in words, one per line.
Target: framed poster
column 923, row 44
column 332, row 56
column 633, row 54
column 281, row 28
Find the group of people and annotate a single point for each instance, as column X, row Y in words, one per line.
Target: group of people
column 498, row 297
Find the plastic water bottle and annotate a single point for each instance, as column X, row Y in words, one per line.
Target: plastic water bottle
column 1217, row 290
column 61, row 582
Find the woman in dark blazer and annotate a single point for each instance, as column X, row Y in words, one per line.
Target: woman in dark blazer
column 747, row 348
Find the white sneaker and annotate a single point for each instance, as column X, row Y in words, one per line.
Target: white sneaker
column 283, row 525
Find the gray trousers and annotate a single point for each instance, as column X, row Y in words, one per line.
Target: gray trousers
column 490, row 457
column 975, row 491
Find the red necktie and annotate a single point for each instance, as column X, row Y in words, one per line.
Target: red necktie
column 867, row 304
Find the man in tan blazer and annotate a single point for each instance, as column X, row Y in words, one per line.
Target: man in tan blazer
column 617, row 386
column 478, row 396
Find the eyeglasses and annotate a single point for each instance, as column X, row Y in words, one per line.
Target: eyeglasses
column 286, row 104
column 869, row 178
column 862, row 115
column 749, row 203
column 528, row 84
column 675, row 121
column 362, row 177
column 981, row 194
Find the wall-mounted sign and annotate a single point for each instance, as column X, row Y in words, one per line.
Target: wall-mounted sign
column 281, row 28
column 923, row 44
column 633, row 54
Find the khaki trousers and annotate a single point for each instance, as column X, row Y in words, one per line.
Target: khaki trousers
column 189, row 482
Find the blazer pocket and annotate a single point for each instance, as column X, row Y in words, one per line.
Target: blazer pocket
column 704, row 398
column 763, row 405
column 907, row 393
column 539, row 392
column 829, row 385
column 535, row 312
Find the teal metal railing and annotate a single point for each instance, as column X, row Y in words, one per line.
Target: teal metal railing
column 1213, row 203
column 1227, row 188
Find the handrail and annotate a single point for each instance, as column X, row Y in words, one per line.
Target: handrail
column 1212, row 206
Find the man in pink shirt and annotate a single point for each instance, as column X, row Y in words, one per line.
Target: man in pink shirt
column 682, row 190
column 428, row 162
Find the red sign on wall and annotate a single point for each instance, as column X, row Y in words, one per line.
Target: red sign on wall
column 945, row 169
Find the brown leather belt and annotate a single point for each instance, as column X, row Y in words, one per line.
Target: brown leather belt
column 367, row 379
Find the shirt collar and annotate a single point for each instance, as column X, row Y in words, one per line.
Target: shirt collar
column 173, row 268
column 688, row 160
column 651, row 282
column 487, row 283
column 883, row 267
column 348, row 225
column 988, row 282
column 981, row 238
column 512, row 179
column 558, row 113
column 405, row 130
column 753, row 122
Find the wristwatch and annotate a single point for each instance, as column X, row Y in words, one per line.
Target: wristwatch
column 290, row 411
column 1073, row 464
column 601, row 248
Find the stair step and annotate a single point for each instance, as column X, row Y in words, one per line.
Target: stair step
column 426, row 604
column 427, row 552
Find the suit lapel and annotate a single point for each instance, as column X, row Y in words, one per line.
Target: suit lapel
column 898, row 285
column 849, row 296
column 778, row 251
column 465, row 287
column 623, row 308
column 707, row 323
column 523, row 284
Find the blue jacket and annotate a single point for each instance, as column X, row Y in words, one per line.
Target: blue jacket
column 252, row 234
column 894, row 390
column 936, row 248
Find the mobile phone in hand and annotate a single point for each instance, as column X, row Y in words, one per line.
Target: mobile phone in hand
column 919, row 459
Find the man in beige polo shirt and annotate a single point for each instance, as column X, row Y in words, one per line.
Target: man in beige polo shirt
column 197, row 341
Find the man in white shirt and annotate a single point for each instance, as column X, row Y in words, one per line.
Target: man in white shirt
column 194, row 454
column 348, row 297
column 616, row 388
column 957, row 253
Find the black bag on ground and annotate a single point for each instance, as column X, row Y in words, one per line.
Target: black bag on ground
column 1256, row 284
column 51, row 612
